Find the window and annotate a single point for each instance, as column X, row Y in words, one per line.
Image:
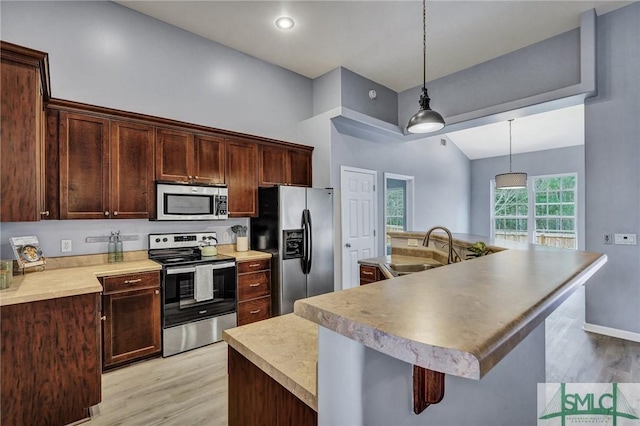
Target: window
column 544, row 213
column 398, row 200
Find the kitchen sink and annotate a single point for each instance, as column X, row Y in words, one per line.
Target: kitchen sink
column 408, row 268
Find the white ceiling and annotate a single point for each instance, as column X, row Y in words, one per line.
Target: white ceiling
column 382, row 41
column 555, row 129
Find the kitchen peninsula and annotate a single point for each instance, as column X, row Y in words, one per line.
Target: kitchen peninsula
column 480, row 322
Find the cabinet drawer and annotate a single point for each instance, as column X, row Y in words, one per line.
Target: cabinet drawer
column 369, row 273
column 254, row 285
column 254, row 310
column 120, row 283
column 254, row 265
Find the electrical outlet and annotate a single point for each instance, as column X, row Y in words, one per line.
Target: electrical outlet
column 65, row 246
column 225, row 237
column 629, row 239
column 607, row 240
column 412, row 242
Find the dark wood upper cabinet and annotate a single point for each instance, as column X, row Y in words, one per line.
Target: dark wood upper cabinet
column 187, row 157
column 209, row 159
column 84, row 166
column 241, row 176
column 299, row 167
column 284, row 166
column 174, row 155
column 272, row 165
column 24, row 86
column 106, row 168
column 131, row 163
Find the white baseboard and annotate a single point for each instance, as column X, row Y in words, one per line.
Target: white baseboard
column 613, row 332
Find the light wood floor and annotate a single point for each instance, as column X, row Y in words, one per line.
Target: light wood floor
column 191, row 388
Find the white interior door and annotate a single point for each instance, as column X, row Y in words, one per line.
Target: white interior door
column 359, row 213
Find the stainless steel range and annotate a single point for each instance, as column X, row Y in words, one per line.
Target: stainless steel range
column 198, row 292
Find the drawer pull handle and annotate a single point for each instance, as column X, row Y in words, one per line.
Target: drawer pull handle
column 367, row 272
column 254, row 265
column 157, row 291
column 133, row 281
column 45, row 213
column 255, row 312
column 254, row 285
column 103, row 318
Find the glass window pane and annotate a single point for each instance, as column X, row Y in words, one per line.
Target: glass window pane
column 541, row 185
column 554, row 183
column 568, row 225
column 568, row 182
column 568, row 196
column 541, row 224
column 541, row 210
column 554, row 197
column 522, row 224
column 554, row 210
column 522, row 210
column 568, row 210
column 541, row 197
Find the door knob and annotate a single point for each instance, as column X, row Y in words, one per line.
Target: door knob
column 347, row 245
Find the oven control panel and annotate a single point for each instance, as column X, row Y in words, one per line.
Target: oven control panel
column 164, row 241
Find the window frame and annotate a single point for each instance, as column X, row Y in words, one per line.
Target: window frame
column 531, row 217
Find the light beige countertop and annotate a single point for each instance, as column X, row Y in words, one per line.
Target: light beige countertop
column 460, row 319
column 284, row 347
column 243, row 256
column 55, row 283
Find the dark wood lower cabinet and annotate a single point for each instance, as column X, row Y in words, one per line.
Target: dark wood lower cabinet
column 131, row 321
column 257, row 399
column 50, row 362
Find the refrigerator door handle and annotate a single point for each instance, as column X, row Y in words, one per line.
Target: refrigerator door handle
column 310, row 238
column 305, row 242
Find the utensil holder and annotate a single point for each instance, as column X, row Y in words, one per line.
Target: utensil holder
column 242, row 243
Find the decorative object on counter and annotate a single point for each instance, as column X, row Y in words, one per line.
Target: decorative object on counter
column 478, row 249
column 511, row 179
column 111, row 257
column 425, row 120
column 27, row 251
column 242, row 242
column 6, row 273
column 119, row 256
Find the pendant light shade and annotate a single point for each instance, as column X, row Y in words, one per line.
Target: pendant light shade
column 511, row 179
column 425, row 120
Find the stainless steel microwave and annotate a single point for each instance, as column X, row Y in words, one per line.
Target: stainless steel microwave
column 181, row 201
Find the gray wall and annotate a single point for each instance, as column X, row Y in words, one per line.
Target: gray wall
column 442, row 177
column 326, row 91
column 544, row 67
column 355, row 95
column 612, row 152
column 360, row 386
column 104, row 54
column 562, row 160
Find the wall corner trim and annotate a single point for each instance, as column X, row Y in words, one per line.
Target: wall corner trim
column 612, row 332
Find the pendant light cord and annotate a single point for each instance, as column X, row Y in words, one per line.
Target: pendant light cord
column 510, row 145
column 424, row 44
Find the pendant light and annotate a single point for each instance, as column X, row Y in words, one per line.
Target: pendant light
column 425, row 120
column 511, row 179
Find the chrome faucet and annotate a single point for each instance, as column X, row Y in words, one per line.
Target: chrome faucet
column 425, row 242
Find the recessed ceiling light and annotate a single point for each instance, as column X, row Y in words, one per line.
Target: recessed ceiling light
column 285, row 23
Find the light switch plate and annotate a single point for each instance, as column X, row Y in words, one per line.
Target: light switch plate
column 628, row 239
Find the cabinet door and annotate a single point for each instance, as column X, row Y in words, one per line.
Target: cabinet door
column 241, row 175
column 299, row 167
column 209, row 159
column 131, row 329
column 84, row 166
column 272, row 165
column 132, row 184
column 20, row 143
column 174, row 155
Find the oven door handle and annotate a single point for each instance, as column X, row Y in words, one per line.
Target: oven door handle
column 173, row 271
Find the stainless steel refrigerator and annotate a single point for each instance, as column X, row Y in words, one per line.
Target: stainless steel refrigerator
column 295, row 224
